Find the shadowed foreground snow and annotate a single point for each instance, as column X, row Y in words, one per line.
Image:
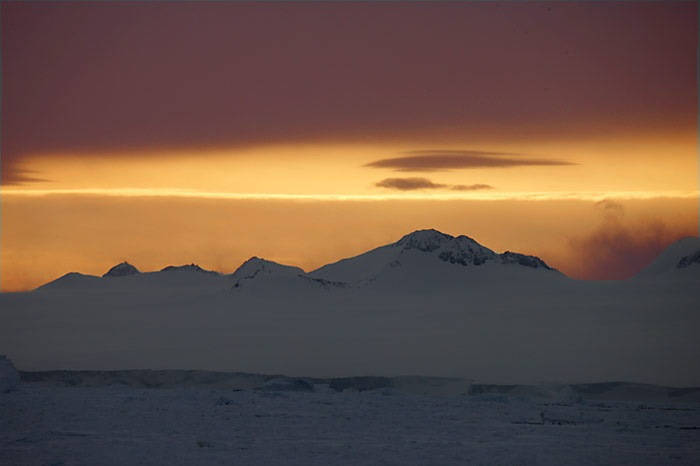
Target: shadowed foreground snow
column 118, row 425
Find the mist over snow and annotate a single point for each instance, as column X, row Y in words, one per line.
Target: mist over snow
column 429, row 304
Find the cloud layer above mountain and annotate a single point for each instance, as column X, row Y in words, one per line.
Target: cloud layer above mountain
column 440, row 160
column 417, row 183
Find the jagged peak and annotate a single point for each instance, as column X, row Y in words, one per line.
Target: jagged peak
column 463, row 250
column 424, row 240
column 523, row 259
column 121, row 270
column 689, row 260
column 460, row 250
column 431, row 239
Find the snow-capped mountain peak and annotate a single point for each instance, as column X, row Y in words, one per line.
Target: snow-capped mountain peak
column 425, row 240
column 463, row 250
column 422, row 252
column 455, row 250
column 121, row 270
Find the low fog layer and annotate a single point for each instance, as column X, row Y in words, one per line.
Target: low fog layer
column 428, row 305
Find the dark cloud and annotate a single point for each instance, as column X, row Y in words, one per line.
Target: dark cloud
column 470, row 187
column 411, row 184
column 610, row 207
column 158, row 76
column 13, row 176
column 618, row 249
column 408, row 184
column 450, row 152
column 441, row 160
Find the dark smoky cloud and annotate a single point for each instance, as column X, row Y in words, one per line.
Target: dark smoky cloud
column 610, row 207
column 441, row 160
column 449, row 152
column 618, row 249
column 12, row 176
column 408, row 184
column 416, row 183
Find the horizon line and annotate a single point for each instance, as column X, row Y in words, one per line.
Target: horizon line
column 324, row 197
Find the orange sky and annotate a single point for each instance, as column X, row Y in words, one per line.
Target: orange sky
column 620, row 203
column 161, row 133
column 647, row 166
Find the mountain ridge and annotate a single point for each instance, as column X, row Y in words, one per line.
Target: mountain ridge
column 363, row 268
column 423, row 252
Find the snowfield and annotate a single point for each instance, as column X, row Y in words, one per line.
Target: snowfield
column 287, row 422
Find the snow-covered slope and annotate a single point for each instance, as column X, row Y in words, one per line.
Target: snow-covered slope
column 124, row 278
column 431, row 257
column 117, row 426
column 680, row 260
column 72, row 281
column 259, row 276
column 257, row 269
column 422, row 258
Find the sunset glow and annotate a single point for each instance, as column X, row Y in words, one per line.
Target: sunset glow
column 162, row 147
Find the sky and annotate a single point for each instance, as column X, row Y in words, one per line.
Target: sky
column 166, row 133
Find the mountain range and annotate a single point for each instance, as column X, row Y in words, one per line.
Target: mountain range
column 429, row 304
column 419, row 257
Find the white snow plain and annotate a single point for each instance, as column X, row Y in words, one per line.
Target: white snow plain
column 47, row 423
